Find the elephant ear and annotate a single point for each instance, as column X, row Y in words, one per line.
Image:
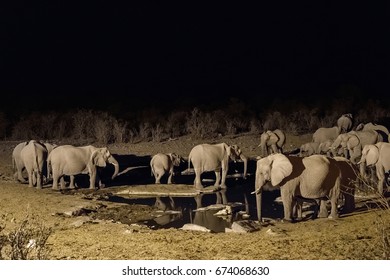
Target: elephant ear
column 273, row 137
column 281, row 167
column 352, row 142
column 175, row 159
column 371, row 154
column 97, row 159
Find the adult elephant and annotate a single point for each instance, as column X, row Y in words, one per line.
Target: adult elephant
column 353, row 142
column 272, row 142
column 17, row 162
column 324, row 134
column 208, row 157
column 348, row 182
column 378, row 155
column 33, row 156
column 70, row 160
column 161, row 164
column 345, row 123
column 314, row 177
column 381, row 129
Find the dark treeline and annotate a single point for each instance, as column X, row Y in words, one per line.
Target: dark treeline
column 109, row 119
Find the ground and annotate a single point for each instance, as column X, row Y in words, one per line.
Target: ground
column 111, row 227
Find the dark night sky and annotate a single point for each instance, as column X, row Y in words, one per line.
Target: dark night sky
column 149, row 52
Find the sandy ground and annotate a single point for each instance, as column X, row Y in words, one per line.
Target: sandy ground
column 114, row 227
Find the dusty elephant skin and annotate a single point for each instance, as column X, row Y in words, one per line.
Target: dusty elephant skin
column 352, row 236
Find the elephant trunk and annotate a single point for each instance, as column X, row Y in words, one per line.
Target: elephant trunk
column 258, row 204
column 114, row 162
column 245, row 160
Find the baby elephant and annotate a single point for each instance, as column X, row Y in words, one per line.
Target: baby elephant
column 163, row 163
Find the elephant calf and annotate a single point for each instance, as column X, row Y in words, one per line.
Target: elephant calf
column 163, row 163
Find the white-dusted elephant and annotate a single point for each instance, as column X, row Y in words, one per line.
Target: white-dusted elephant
column 272, row 142
column 161, row 164
column 308, row 149
column 353, row 142
column 323, row 134
column 324, row 148
column 348, row 181
column 17, row 162
column 378, row 155
column 345, row 123
column 313, row 177
column 33, row 156
column 70, row 160
column 216, row 157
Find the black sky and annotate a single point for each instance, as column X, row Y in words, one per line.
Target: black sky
column 150, row 52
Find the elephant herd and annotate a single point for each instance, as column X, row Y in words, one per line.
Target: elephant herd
column 325, row 170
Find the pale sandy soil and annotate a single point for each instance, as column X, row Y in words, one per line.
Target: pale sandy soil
column 103, row 236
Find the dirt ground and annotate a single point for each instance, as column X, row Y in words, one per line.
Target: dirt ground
column 107, row 226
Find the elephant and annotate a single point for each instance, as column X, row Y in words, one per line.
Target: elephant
column 33, row 156
column 214, row 157
column 70, row 160
column 272, row 142
column 353, row 142
column 324, row 148
column 312, row 177
column 323, row 134
column 345, row 123
column 378, row 155
column 382, row 130
column 309, row 149
column 161, row 163
column 348, row 181
column 17, row 162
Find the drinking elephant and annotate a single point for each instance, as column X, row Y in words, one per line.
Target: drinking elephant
column 272, row 142
column 308, row 149
column 70, row 160
column 33, row 156
column 17, row 162
column 378, row 155
column 313, row 177
column 207, row 157
column 161, row 164
column 381, row 129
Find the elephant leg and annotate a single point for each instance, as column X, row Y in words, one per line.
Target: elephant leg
column 380, row 173
column 71, row 184
column 20, row 177
column 274, row 149
column 288, row 200
column 170, row 176
column 219, row 198
column 218, row 178
column 55, row 182
column 62, row 183
column 323, row 209
column 197, row 181
column 39, row 180
column 224, row 173
column 30, row 179
column 157, row 178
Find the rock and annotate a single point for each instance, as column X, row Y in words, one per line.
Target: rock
column 195, row 228
column 245, row 226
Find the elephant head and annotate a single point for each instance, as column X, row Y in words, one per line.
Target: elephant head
column 272, row 169
column 175, row 158
column 101, row 156
column 236, row 154
column 272, row 141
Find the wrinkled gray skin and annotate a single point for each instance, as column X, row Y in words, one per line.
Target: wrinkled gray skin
column 34, row 156
column 70, row 160
column 353, row 142
column 345, row 123
column 17, row 162
column 378, row 155
column 313, row 177
column 161, row 164
column 272, row 142
column 207, row 157
column 324, row 134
